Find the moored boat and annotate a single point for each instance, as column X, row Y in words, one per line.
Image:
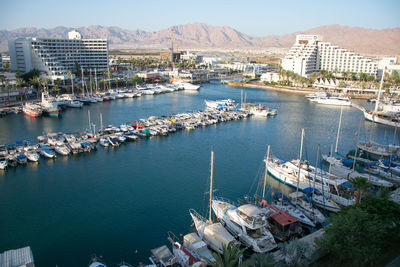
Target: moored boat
column 32, row 110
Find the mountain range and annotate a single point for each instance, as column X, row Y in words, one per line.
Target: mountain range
column 204, row 36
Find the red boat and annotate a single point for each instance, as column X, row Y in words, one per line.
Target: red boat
column 32, row 110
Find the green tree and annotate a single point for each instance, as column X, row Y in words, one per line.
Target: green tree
column 70, row 75
column 230, row 257
column 55, row 89
column 7, row 86
column 36, row 80
column 361, row 184
column 296, row 253
column 259, row 260
column 352, row 238
column 19, row 82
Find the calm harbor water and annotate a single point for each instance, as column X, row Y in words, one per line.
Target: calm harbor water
column 120, row 203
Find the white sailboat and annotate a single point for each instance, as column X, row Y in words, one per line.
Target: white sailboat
column 386, row 118
column 213, row 234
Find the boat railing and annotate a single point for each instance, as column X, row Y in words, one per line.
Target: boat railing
column 197, row 215
column 225, row 200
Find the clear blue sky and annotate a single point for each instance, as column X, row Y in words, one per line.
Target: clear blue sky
column 255, row 18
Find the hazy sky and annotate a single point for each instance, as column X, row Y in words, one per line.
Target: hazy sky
column 255, row 18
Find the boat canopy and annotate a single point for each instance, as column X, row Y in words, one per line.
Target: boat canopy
column 219, row 233
column 250, row 210
column 85, row 143
column 162, row 253
column 19, row 142
column 308, row 190
column 348, row 184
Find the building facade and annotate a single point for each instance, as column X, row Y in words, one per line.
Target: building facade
column 56, row 57
column 309, row 54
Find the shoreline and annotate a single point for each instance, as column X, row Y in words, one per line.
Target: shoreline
column 292, row 90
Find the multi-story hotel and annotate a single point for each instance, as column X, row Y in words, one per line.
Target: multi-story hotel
column 56, row 57
column 309, row 54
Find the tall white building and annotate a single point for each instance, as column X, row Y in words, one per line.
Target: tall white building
column 309, row 54
column 56, row 57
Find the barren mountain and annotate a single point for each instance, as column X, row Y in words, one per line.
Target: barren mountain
column 203, row 36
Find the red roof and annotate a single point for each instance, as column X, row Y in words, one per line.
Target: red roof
column 280, row 216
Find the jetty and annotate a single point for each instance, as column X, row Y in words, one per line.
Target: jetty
column 64, row 144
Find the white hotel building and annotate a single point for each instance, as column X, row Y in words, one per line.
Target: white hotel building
column 56, row 57
column 309, row 54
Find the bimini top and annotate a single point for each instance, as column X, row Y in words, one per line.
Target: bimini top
column 218, row 232
column 250, row 210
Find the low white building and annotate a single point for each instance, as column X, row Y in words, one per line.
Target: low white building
column 270, row 77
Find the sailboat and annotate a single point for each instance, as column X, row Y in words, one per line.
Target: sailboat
column 386, row 118
column 213, row 234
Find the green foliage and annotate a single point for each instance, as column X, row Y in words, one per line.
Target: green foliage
column 136, row 80
column 230, row 257
column 29, row 75
column 296, row 253
column 259, row 260
column 361, row 184
column 359, row 234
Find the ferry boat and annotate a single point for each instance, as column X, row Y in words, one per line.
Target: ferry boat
column 32, row 110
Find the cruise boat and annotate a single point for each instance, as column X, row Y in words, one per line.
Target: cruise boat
column 32, row 110
column 247, row 222
column 225, row 104
column 186, row 86
column 332, row 100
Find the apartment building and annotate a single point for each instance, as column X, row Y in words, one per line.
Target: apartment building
column 309, row 54
column 56, row 57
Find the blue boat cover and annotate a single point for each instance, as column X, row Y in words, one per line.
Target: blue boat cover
column 347, row 162
column 348, row 184
column 19, row 142
column 85, row 143
column 308, row 190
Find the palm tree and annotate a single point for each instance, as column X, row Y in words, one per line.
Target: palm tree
column 18, row 83
column 55, row 89
column 361, row 184
column 69, row 74
column 296, row 253
column 231, row 255
column 7, row 84
column 36, row 80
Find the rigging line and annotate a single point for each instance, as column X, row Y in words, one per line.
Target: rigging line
column 256, row 178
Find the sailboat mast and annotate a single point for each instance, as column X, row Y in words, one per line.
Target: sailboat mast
column 301, row 152
column 95, row 79
column 89, row 121
column 83, row 85
column 316, row 167
column 211, row 184
column 90, row 81
column 101, row 121
column 266, row 170
column 379, row 93
column 338, row 131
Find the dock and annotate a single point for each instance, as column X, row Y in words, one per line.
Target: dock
column 17, row 257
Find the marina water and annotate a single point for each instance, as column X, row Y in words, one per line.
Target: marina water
column 121, row 202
